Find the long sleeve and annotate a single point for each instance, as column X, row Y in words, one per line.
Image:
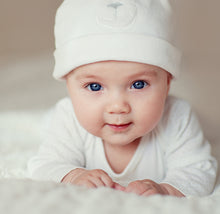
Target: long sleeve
column 190, row 166
column 62, row 148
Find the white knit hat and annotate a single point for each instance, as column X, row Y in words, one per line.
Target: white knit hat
column 88, row 31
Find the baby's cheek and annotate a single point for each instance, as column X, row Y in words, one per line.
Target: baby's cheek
column 90, row 123
column 150, row 119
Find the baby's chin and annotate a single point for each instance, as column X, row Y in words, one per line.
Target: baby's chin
column 119, row 141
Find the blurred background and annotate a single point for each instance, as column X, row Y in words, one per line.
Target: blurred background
column 26, row 58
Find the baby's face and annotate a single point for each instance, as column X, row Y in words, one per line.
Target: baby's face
column 118, row 101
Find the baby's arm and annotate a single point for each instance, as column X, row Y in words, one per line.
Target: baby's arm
column 190, row 167
column 62, row 147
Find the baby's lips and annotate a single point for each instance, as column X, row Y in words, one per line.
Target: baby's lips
column 120, row 126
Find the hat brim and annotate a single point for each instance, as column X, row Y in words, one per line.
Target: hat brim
column 120, row 47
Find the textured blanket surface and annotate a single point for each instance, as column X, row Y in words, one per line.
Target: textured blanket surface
column 25, row 196
column 20, row 136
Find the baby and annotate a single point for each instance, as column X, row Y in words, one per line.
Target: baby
column 119, row 128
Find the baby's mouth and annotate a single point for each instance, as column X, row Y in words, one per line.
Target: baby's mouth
column 119, row 127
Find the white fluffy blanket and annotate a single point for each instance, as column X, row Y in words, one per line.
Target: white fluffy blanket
column 20, row 135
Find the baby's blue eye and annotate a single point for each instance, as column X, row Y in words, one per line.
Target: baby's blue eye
column 139, row 84
column 94, row 87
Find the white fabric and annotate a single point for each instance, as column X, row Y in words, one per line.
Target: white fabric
column 126, row 30
column 175, row 152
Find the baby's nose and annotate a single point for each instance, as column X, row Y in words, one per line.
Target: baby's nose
column 118, row 106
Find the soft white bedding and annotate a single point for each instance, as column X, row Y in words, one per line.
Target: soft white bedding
column 20, row 136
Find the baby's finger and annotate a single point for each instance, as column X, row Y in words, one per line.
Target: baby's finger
column 150, row 192
column 119, row 187
column 136, row 187
column 96, row 181
column 107, row 180
column 86, row 183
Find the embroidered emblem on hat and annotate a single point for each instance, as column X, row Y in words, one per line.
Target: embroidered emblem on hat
column 115, row 5
column 116, row 13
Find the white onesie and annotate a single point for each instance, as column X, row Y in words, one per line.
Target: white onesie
column 175, row 152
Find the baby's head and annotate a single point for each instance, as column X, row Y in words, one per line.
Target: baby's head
column 118, row 60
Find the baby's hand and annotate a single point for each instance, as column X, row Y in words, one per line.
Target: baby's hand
column 89, row 178
column 149, row 187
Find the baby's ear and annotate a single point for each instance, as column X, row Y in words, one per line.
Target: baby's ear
column 169, row 79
